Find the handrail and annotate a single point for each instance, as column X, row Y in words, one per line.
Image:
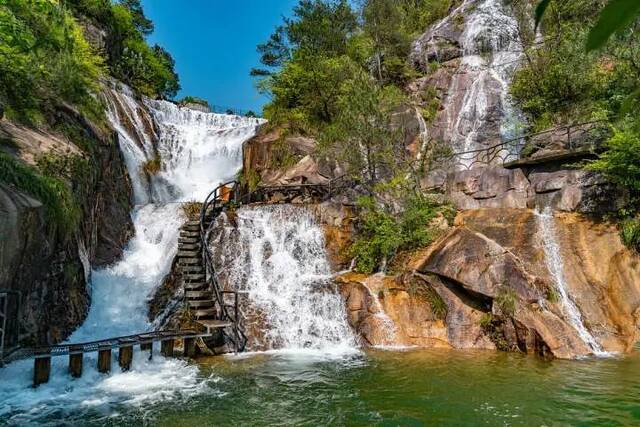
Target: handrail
column 214, row 201
column 507, row 148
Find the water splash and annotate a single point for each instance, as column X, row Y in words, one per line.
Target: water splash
column 387, row 327
column 197, row 151
column 280, row 261
column 553, row 259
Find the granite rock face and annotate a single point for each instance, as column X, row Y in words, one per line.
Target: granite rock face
column 49, row 270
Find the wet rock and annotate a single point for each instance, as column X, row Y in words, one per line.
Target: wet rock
column 495, row 249
column 490, row 187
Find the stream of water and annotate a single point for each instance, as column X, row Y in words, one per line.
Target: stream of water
column 198, row 152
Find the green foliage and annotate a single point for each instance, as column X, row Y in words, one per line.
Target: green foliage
column 486, row 320
column 630, row 233
column 193, row 100
column 44, row 60
column 382, row 232
column 363, row 135
column 621, row 160
column 63, row 212
column 152, row 166
column 616, row 16
column 148, row 69
column 324, row 47
column 506, row 299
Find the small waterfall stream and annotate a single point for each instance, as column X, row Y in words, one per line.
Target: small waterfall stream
column 197, row 151
column 478, row 111
column 553, row 259
column 278, row 258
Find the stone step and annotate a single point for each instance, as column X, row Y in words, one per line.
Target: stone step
column 197, row 294
column 189, row 246
column 201, row 304
column 204, row 313
column 192, row 269
column 189, row 234
column 193, row 277
column 191, row 227
column 188, row 254
column 193, row 223
column 198, row 286
column 190, row 261
column 189, row 240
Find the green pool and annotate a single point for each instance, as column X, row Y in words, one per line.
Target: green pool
column 409, row 388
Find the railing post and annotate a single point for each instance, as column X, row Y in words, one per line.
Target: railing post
column 235, row 323
column 4, row 297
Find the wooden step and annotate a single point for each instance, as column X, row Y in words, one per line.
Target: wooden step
column 189, row 240
column 190, row 261
column 189, row 246
column 204, row 312
column 192, row 269
column 201, row 303
column 192, row 223
column 188, row 254
column 189, row 234
column 197, row 294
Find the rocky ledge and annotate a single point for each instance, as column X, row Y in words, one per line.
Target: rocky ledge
column 492, row 282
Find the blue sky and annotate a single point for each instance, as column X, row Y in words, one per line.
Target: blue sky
column 214, row 44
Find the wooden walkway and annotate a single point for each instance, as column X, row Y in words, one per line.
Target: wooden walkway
column 125, row 345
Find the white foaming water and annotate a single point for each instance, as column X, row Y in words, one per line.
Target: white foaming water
column 198, row 151
column 553, row 259
column 491, row 52
column 281, row 262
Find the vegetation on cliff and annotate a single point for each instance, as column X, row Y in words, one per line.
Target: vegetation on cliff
column 587, row 68
column 53, row 55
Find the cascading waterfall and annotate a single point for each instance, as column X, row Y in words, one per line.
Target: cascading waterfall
column 280, row 261
column 198, row 151
column 553, row 259
column 491, row 52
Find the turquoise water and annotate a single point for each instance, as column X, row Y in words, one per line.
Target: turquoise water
column 412, row 388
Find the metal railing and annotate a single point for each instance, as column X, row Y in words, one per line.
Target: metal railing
column 584, row 135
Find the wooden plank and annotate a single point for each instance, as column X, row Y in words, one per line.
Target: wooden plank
column 75, row 364
column 41, row 370
column 104, row 360
column 166, row 347
column 189, row 347
column 125, row 356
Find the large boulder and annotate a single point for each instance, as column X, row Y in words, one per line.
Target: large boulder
column 496, row 252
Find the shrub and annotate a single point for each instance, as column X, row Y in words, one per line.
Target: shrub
column 192, row 210
column 630, row 233
column 62, row 210
column 152, row 166
column 193, row 100
column 621, row 160
column 486, row 320
column 506, row 299
column 382, row 232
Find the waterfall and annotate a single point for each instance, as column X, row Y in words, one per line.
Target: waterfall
column 197, row 151
column 278, row 259
column 482, row 114
column 553, row 259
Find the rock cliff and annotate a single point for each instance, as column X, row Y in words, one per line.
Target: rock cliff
column 49, row 270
